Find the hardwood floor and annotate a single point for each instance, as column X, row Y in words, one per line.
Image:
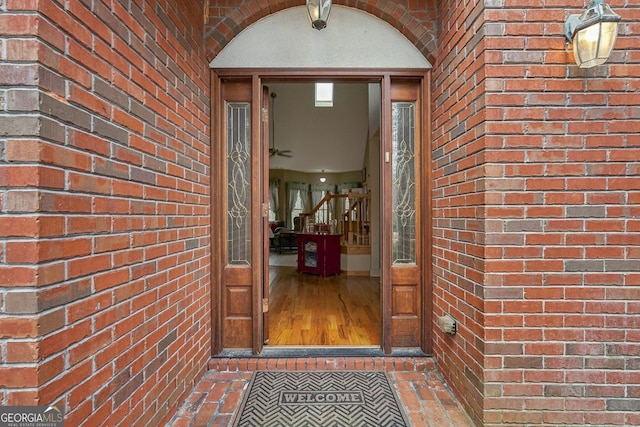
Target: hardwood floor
column 305, row 309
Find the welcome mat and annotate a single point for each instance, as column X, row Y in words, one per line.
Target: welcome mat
column 325, row 398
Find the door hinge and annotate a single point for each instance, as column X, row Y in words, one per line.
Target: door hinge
column 265, row 210
column 265, row 115
column 265, row 305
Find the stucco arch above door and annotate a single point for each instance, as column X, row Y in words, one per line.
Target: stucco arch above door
column 352, row 39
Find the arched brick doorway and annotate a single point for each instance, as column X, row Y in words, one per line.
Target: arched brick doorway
column 417, row 21
column 238, row 293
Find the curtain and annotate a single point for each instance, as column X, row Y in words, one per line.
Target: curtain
column 348, row 186
column 295, row 188
column 274, row 187
column 331, row 188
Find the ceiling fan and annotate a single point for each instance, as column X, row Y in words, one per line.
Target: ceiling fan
column 273, row 151
column 282, row 153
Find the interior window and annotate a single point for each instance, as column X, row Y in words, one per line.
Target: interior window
column 322, row 214
column 297, row 207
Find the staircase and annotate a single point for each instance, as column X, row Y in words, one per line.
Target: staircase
column 350, row 218
column 347, row 215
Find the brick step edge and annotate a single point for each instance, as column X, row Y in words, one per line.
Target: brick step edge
column 388, row 364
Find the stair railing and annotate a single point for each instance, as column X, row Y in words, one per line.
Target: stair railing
column 353, row 222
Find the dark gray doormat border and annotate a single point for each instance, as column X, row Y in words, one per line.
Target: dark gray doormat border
column 320, row 398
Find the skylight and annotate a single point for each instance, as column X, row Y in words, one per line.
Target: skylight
column 324, row 94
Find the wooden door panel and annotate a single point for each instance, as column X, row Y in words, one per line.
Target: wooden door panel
column 405, row 274
column 238, row 317
column 402, row 214
column 406, row 300
column 237, row 276
column 405, row 314
column 238, row 302
column 235, row 213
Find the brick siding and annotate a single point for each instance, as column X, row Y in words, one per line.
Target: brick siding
column 104, row 201
column 104, row 207
column 536, row 219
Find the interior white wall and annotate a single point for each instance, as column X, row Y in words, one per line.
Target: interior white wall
column 321, row 138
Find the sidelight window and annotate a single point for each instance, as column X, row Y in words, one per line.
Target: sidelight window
column 404, row 183
column 239, row 183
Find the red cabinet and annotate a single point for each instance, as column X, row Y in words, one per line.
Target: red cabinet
column 319, row 254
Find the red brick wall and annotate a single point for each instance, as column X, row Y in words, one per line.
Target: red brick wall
column 537, row 207
column 104, row 204
column 459, row 137
column 104, row 166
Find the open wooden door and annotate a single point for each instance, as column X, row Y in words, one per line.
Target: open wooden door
column 403, row 216
column 265, row 99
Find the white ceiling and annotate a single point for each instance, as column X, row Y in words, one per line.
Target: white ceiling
column 332, row 139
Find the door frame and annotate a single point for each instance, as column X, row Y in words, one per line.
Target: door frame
column 425, row 263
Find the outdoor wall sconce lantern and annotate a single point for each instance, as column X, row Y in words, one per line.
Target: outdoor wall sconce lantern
column 593, row 34
column 319, row 13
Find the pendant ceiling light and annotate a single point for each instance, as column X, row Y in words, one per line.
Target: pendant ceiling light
column 319, row 12
column 593, row 34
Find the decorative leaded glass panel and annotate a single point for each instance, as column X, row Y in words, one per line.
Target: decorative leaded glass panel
column 239, row 183
column 404, row 183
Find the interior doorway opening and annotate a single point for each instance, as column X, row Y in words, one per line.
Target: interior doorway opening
column 323, row 160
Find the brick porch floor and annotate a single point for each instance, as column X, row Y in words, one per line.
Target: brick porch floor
column 425, row 398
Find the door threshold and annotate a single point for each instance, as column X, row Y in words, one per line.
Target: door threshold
column 320, row 351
